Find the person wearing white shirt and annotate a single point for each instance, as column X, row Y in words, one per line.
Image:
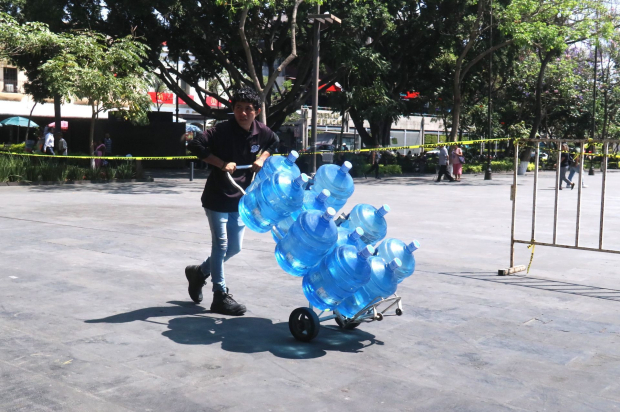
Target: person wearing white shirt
column 443, row 164
column 48, row 147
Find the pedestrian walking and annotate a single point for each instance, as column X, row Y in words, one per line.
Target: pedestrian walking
column 48, row 146
column 443, row 164
column 576, row 168
column 566, row 161
column 99, row 151
column 62, row 144
column 241, row 140
column 375, row 156
column 457, row 162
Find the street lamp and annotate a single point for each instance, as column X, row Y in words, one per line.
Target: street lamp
column 326, row 19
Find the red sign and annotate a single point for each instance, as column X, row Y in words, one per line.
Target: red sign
column 410, row 95
column 168, row 98
column 213, row 102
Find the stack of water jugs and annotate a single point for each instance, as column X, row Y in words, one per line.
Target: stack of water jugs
column 340, row 266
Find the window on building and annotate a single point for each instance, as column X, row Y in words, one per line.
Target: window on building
column 10, row 80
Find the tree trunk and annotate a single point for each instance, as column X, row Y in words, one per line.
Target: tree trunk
column 380, row 130
column 367, row 139
column 57, row 117
column 539, row 85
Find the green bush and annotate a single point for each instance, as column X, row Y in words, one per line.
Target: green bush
column 390, row 169
column 27, row 169
column 471, row 168
column 125, row 170
column 18, row 148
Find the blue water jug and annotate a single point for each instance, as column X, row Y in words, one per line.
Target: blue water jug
column 346, row 237
column 337, row 180
column 382, row 284
column 311, row 202
column 370, row 219
column 275, row 164
column 309, row 239
column 392, row 248
column 339, row 275
column 273, row 200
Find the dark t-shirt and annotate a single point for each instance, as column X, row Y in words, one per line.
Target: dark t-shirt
column 566, row 160
column 231, row 143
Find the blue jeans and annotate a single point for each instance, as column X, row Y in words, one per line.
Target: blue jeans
column 573, row 170
column 226, row 240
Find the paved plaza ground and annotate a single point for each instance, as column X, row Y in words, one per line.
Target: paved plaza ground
column 95, row 316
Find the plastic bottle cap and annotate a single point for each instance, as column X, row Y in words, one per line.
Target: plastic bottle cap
column 383, row 210
column 293, row 156
column 395, row 264
column 321, row 197
column 356, row 234
column 302, row 179
column 367, row 252
column 329, row 213
column 346, row 166
column 413, row 246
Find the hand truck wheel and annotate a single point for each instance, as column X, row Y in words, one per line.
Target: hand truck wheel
column 347, row 325
column 304, row 324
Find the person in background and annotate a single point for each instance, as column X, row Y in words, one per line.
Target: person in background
column 99, row 151
column 566, row 161
column 48, row 146
column 242, row 140
column 457, row 166
column 107, row 141
column 443, row 164
column 62, row 144
column 30, row 142
column 374, row 159
column 38, row 147
column 575, row 168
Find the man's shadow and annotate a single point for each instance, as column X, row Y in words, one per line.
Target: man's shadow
column 194, row 325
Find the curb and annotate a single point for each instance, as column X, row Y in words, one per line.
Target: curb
column 77, row 182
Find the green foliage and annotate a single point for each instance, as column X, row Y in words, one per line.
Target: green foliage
column 26, row 169
column 18, row 148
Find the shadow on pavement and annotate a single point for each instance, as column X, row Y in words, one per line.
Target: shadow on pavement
column 194, row 325
column 543, row 284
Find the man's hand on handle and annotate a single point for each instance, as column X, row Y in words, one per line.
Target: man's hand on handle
column 258, row 165
column 229, row 167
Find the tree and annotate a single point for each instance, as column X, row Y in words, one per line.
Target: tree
column 218, row 40
column 84, row 65
column 106, row 72
column 159, row 88
column 380, row 52
column 550, row 27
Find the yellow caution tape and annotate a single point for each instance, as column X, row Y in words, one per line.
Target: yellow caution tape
column 531, row 257
column 376, row 149
column 105, row 157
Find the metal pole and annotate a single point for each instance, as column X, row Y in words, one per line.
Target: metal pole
column 487, row 173
column 514, row 207
column 191, row 171
column 535, row 192
column 557, row 193
column 315, row 91
column 580, row 180
column 602, row 224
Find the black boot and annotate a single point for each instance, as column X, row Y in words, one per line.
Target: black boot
column 196, row 280
column 224, row 304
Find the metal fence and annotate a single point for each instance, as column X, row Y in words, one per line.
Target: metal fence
column 532, row 241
